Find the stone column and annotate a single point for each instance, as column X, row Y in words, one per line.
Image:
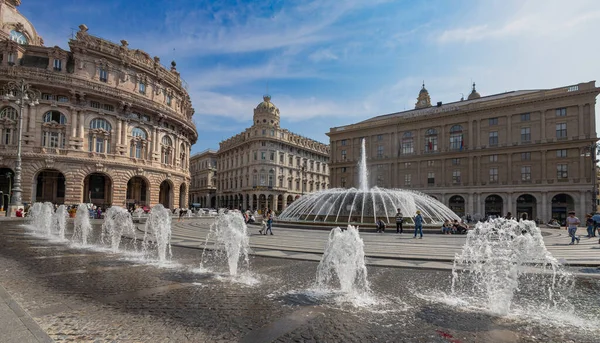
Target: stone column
column 124, row 130
column 470, row 207
column 580, row 119
column 471, row 176
column 509, row 167
column 581, row 211
column 32, row 116
column 444, row 171
column 509, row 205
column 582, row 158
column 543, row 121
column 478, row 175
column 73, row 124
column 81, row 123
column 119, row 130
column 509, row 139
column 539, row 209
column 544, row 215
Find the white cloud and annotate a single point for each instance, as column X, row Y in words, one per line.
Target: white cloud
column 322, row 55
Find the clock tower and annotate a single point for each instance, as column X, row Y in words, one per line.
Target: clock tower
column 423, row 101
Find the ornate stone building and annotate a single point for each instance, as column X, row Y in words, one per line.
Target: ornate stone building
column 203, row 170
column 267, row 166
column 113, row 126
column 528, row 151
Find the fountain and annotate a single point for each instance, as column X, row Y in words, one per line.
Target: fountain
column 344, row 259
column 364, row 204
column 117, row 221
column 82, row 227
column 41, row 218
column 60, row 220
column 158, row 225
column 231, row 240
column 138, row 212
column 502, row 257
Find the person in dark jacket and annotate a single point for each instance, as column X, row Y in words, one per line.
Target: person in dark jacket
column 418, row 225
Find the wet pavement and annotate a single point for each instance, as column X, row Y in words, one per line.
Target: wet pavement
column 82, row 295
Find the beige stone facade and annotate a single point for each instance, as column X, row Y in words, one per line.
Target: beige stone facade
column 519, row 152
column 203, row 171
column 267, row 166
column 113, row 126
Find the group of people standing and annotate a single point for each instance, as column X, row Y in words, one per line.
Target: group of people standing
column 418, row 220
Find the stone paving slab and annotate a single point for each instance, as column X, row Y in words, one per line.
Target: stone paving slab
column 16, row 325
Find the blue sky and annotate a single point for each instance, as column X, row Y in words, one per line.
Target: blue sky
column 334, row 62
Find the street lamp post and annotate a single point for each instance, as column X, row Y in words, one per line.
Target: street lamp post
column 23, row 94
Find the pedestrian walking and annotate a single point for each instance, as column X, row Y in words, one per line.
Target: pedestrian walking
column 596, row 218
column 571, row 225
column 589, row 223
column 418, row 225
column 269, row 222
column 399, row 220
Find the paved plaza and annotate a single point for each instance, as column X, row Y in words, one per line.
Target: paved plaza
column 54, row 291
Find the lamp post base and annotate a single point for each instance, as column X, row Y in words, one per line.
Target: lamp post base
column 11, row 210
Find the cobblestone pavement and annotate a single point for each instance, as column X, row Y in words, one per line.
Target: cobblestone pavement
column 87, row 295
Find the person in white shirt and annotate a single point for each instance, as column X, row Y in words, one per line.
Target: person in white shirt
column 572, row 222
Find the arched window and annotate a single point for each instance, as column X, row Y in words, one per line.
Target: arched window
column 263, row 178
column 55, row 116
column 54, row 130
column 99, row 136
column 431, row 140
column 8, row 112
column 456, row 137
column 139, row 141
column 407, row 144
column 8, row 126
column 167, row 150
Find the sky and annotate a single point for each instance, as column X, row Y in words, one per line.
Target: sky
column 329, row 63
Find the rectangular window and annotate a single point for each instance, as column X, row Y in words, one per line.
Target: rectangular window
column 407, row 179
column 272, row 156
column 263, row 155
column 430, row 178
column 407, row 164
column 255, row 155
column 493, row 121
column 343, row 182
column 525, row 173
column 380, row 151
column 561, row 171
column 142, row 88
column 62, row 98
column 456, row 161
column 263, row 143
column 525, row 117
column 562, row 153
column 431, row 144
column 281, row 158
column 11, row 58
column 525, row 156
column 525, row 135
column 7, row 135
column 493, row 158
column 344, row 169
column 169, row 100
column 343, row 155
column 290, row 161
column 456, row 177
column 108, row 107
column 57, row 65
column 103, row 75
column 494, row 174
column 46, row 96
column 407, row 147
column 493, row 139
column 379, row 137
column 94, row 104
column 344, row 142
column 430, row 163
column 561, row 130
column 264, row 132
column 561, row 112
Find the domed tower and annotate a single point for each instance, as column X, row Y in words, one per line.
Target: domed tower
column 474, row 94
column 266, row 113
column 423, row 100
column 15, row 27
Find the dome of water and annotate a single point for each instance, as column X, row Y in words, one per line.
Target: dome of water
column 353, row 205
column 365, row 205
